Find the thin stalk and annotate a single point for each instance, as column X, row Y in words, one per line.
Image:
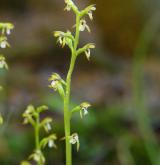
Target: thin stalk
column 67, row 96
column 142, row 113
column 37, row 143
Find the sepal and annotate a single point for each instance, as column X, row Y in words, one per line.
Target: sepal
column 88, row 11
column 86, row 49
column 50, row 141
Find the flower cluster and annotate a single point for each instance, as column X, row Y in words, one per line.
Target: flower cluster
column 5, row 29
column 63, row 87
column 32, row 116
column 69, row 39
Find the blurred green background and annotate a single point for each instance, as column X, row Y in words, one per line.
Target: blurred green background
column 121, row 81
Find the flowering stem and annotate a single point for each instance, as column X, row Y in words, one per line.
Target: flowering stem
column 67, row 96
column 37, row 143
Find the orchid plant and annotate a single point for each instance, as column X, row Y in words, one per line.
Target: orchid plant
column 5, row 31
column 32, row 116
column 63, row 87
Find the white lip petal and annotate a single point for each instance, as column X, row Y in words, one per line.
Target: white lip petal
column 72, row 141
column 48, row 126
column 2, row 64
column 81, row 28
column 3, row 44
column 50, row 143
column 53, row 83
column 8, row 31
column 85, row 112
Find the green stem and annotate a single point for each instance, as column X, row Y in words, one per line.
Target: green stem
column 37, row 143
column 67, row 96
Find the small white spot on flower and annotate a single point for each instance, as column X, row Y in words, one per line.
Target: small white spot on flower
column 51, row 143
column 85, row 111
column 3, row 44
column 48, row 126
column 8, row 31
column 53, row 83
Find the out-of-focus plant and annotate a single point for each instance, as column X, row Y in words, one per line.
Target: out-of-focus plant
column 32, row 116
column 64, row 87
column 5, row 30
column 142, row 114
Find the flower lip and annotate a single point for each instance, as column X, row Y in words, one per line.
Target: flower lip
column 8, row 31
column 83, row 25
column 51, row 143
column 48, row 126
column 3, row 44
